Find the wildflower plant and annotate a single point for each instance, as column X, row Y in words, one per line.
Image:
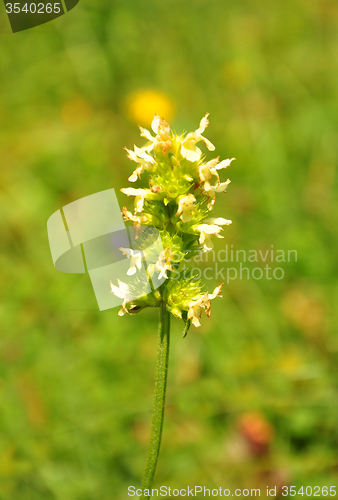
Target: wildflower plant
column 177, row 204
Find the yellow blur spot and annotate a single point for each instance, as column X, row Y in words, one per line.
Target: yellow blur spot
column 144, row 104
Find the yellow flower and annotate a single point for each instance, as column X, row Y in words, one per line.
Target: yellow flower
column 141, row 157
column 162, row 138
column 163, row 264
column 189, row 150
column 136, row 220
column 122, row 292
column 135, row 259
column 218, row 188
column 196, row 306
column 140, row 195
column 207, row 230
column 220, row 221
column 143, row 104
column 207, row 170
column 185, row 207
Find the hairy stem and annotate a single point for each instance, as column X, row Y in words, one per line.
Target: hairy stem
column 159, row 397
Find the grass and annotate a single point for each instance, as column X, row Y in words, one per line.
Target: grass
column 76, row 384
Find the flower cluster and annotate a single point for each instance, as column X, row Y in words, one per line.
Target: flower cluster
column 178, row 202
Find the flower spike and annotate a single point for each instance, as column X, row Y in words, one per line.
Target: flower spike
column 181, row 194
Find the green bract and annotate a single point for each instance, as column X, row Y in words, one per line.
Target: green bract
column 178, row 202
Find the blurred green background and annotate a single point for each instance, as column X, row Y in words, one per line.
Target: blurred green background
column 252, row 394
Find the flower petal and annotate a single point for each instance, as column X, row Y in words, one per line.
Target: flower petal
column 219, row 221
column 208, row 228
column 155, row 123
column 145, row 133
column 133, row 177
column 191, row 152
column 216, row 292
column 203, row 124
column 221, row 187
column 135, row 191
column 208, row 144
column 224, row 163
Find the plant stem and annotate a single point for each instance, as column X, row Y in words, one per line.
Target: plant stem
column 159, row 397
